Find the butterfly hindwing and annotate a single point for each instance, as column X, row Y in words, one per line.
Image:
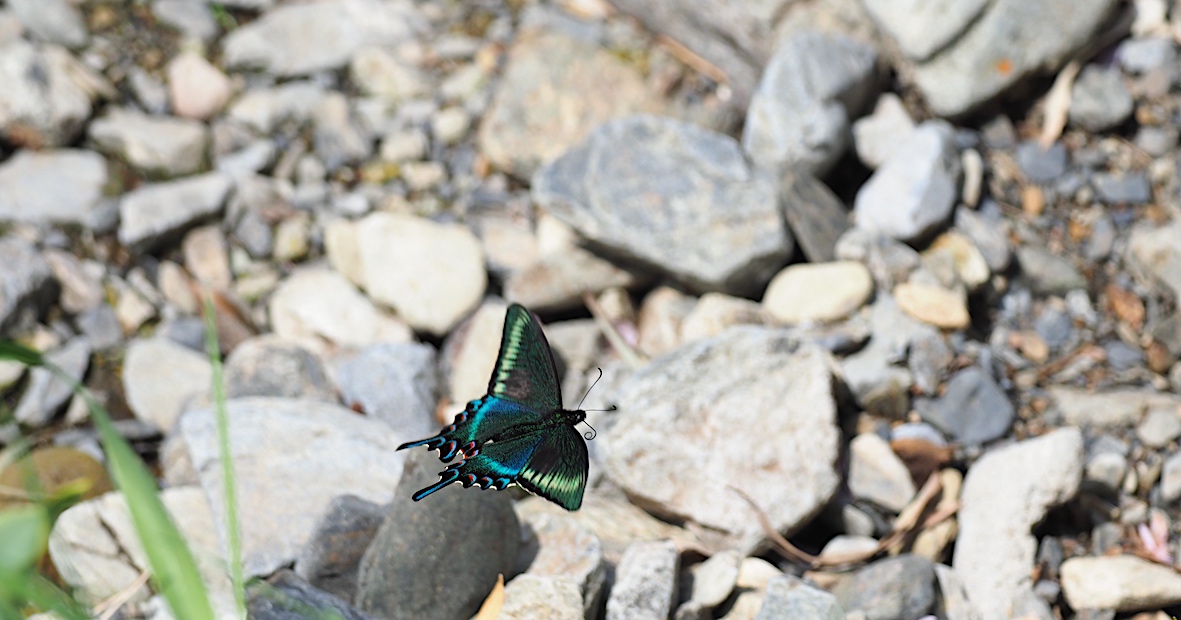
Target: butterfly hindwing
column 557, row 469
column 481, row 420
column 525, row 371
column 495, row 464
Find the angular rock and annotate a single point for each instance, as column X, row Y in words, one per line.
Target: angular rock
column 972, row 410
column 1108, row 409
column 332, row 556
column 314, row 305
column 557, row 281
column 1048, row 273
column 568, row 551
column 533, row 596
column 381, row 73
column 155, row 145
column 268, row 365
column 1099, row 100
column 915, row 190
column 899, row 587
column 953, row 600
column 401, row 566
column 715, row 578
column 922, row 29
column 196, row 88
column 1036, row 35
column 877, row 474
column 1123, row 583
column 1000, row 504
column 799, row 116
column 53, row 21
column 645, row 582
column 394, row 383
column 1156, row 252
column 431, row 274
column 789, row 597
column 554, row 90
column 53, row 187
column 46, row 393
column 151, row 214
column 265, row 108
column 818, row 292
column 726, row 384
column 1122, row 187
column 815, row 216
column 26, row 284
column 47, row 94
column 284, row 596
column 672, row 197
column 291, row 457
column 161, row 379
column 717, row 312
column 877, row 136
column 300, row 39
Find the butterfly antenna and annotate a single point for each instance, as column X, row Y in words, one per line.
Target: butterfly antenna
column 592, row 386
column 591, row 434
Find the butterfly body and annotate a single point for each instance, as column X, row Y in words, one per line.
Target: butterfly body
column 518, row 433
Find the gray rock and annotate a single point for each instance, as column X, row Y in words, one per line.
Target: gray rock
column 915, row 190
column 52, row 187
column 548, row 71
column 1155, row 251
column 872, row 373
column 1170, row 480
column 876, row 474
column 924, row 28
column 557, row 281
column 249, row 160
column 645, row 582
column 1144, row 55
column 890, row 589
column 799, row 116
column 164, row 146
column 265, row 108
column 561, row 548
column 26, row 284
column 53, row 21
column 101, row 327
column 420, row 540
column 889, row 261
column 533, row 596
column 1056, row 327
column 928, row 360
column 1099, row 100
column 271, row 366
column 337, row 139
column 47, row 93
column 46, row 393
column 301, row 39
column 816, row 217
column 1159, row 427
column 1122, row 188
column 789, row 597
column 1156, row 141
column 1041, row 165
column 972, row 410
column 395, row 383
column 715, row 223
column 1048, row 273
column 1000, row 503
column 150, row 92
column 953, row 600
column 332, row 555
column 285, row 596
column 655, row 448
column 975, row 69
column 1108, row 409
column 162, row 378
column 877, row 136
column 193, row 19
column 152, row 214
column 291, row 457
column 715, row 578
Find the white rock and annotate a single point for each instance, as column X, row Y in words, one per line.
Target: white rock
column 877, row 474
column 317, row 306
column 197, row 88
column 1122, row 582
column 162, row 378
column 153, row 144
column 818, row 292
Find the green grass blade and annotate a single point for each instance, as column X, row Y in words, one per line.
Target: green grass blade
column 229, row 488
column 17, row 352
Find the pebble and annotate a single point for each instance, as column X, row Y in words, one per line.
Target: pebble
column 151, row 214
column 196, row 88
column 1144, row 55
column 933, row 305
column 973, row 409
column 718, row 384
column 971, row 267
column 161, row 379
column 395, row 383
column 645, row 585
column 337, row 138
column 193, row 19
column 378, row 72
column 26, row 280
column 1160, row 426
column 813, row 292
column 302, row 39
column 46, row 392
column 924, row 29
column 1000, row 504
column 81, row 283
column 1041, row 165
column 46, row 94
column 698, row 180
column 431, row 274
column 290, row 241
column 799, row 114
column 1048, row 273
column 1099, row 100
column 1122, row 188
column 265, row 108
column 450, row 125
column 561, row 548
column 1157, row 251
column 284, row 594
column 62, row 186
column 330, row 558
column 897, row 587
column 815, row 214
column 717, row 312
column 404, row 145
column 876, row 136
column 877, row 474
column 353, row 455
column 915, row 190
column 206, row 256
column 270, row 366
column 557, row 280
column 1107, row 409
column 316, row 305
column 1170, row 480
column 550, row 96
column 790, row 597
column 53, row 21
column 533, row 596
column 1121, row 582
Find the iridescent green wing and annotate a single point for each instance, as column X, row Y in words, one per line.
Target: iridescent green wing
column 525, row 372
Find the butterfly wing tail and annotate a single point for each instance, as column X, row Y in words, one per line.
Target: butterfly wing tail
column 431, row 443
column 447, row 476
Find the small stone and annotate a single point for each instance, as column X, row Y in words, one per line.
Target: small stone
column 1157, row 251
column 270, row 366
column 156, row 145
column 1099, row 99
column 82, row 286
column 1170, row 480
column 971, row 267
column 450, row 125
column 53, row 21
column 877, row 136
column 46, row 392
column 933, row 305
column 558, row 280
column 161, row 379
column 316, row 305
column 380, row 73
column 715, row 578
column 532, row 596
column 193, row 19
column 1145, row 55
column 1160, row 426
column 291, row 238
column 405, row 145
column 645, row 582
column 53, row 186
column 790, row 597
column 566, row 550
column 197, row 89
column 395, row 383
column 716, row 312
column 101, row 327
column 26, row 282
column 877, row 474
column 1048, row 274
column 151, row 214
column 1107, row 471
column 207, row 257
column 330, row 558
column 423, row 175
column 973, row 409
column 1041, row 165
column 337, row 137
column 818, row 292
column 1123, row 582
column 924, row 29
column 897, row 587
column 265, row 108
column 47, row 94
column 1123, row 188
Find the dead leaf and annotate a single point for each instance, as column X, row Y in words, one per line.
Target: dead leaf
column 1126, row 305
column 490, row 610
column 1058, row 105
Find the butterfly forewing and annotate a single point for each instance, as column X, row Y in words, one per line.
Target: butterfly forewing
column 525, row 371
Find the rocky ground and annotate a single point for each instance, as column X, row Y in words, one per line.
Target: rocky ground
column 899, row 280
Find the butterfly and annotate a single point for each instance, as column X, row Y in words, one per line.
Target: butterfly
column 518, row 433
